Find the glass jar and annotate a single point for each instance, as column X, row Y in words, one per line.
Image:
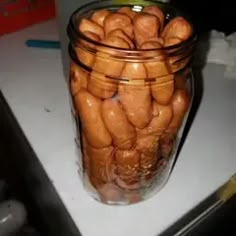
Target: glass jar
column 130, row 108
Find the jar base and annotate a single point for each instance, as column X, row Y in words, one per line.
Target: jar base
column 111, row 194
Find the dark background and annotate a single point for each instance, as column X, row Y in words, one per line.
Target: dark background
column 208, row 15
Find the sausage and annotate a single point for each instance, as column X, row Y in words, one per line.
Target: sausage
column 180, row 104
column 177, row 62
column 148, row 139
column 181, row 79
column 101, row 86
column 83, row 54
column 95, row 37
column 152, row 43
column 115, row 41
column 162, row 116
column 171, row 41
column 121, row 34
column 134, row 70
column 178, row 27
column 146, row 26
column 159, row 66
column 127, row 168
column 99, row 16
column 163, row 88
column 122, row 132
column 101, row 165
column 78, row 79
column 158, row 40
column 146, row 143
column 127, row 11
column 148, row 166
column 89, row 109
column 118, row 21
column 136, row 101
column 156, row 11
column 85, row 157
column 104, row 63
column 88, row 25
column 167, row 144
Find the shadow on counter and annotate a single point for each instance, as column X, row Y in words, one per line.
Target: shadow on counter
column 28, row 182
column 198, row 64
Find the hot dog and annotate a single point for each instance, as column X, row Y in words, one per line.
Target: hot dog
column 178, row 27
column 89, row 109
column 122, row 132
column 146, row 26
column 118, row 21
column 156, row 11
column 99, row 16
column 136, row 101
column 101, row 165
column 78, row 79
column 127, row 11
column 163, row 88
column 103, row 58
column 180, row 104
column 127, row 168
column 101, row 86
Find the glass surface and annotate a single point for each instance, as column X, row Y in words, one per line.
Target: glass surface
column 130, row 108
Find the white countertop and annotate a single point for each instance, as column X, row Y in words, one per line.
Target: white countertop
column 32, row 82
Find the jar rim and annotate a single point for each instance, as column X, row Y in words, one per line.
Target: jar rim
column 73, row 31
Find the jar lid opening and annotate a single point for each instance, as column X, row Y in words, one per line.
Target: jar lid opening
column 88, row 9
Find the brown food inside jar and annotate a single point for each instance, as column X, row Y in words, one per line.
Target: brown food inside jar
column 99, row 16
column 127, row 11
column 163, row 88
column 177, row 27
column 88, row 25
column 127, row 169
column 121, row 34
column 100, row 165
column 156, row 11
column 78, row 79
column 159, row 66
column 136, row 101
column 118, row 21
column 83, row 54
column 100, row 86
column 146, row 26
column 127, row 127
column 103, row 58
column 180, row 104
column 122, row 131
column 138, row 26
column 89, row 110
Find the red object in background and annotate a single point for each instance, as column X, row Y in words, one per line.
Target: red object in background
column 18, row 14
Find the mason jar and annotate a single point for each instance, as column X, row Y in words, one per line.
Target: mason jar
column 130, row 103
